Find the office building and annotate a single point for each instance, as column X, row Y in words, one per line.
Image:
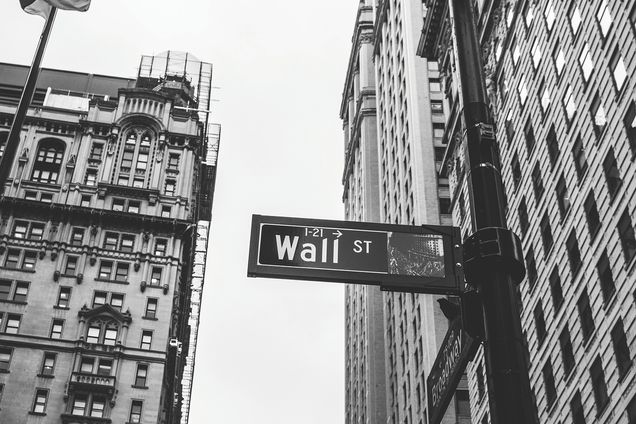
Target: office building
column 104, row 225
column 393, row 123
column 561, row 87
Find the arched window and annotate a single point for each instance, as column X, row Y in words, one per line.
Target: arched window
column 133, row 165
column 102, row 331
column 48, row 161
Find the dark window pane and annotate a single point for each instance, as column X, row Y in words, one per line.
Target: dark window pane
column 585, row 315
column 598, row 385
column 621, row 349
column 626, row 234
column 612, row 175
column 605, row 278
column 591, row 215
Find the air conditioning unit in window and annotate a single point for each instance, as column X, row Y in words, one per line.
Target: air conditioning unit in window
column 175, row 343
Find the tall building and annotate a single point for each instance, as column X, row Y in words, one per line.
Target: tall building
column 393, row 124
column 104, row 224
column 561, row 86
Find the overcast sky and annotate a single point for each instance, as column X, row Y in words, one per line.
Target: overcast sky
column 269, row 351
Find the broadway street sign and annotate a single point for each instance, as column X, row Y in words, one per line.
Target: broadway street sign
column 396, row 257
column 457, row 349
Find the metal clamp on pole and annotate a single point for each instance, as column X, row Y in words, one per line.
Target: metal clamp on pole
column 493, row 248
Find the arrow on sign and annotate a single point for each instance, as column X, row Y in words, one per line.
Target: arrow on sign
column 337, row 234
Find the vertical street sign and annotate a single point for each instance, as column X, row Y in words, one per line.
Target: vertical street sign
column 457, row 349
column 397, row 257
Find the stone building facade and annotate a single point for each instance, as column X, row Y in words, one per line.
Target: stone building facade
column 98, row 230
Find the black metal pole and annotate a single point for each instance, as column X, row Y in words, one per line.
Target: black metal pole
column 494, row 258
column 13, row 140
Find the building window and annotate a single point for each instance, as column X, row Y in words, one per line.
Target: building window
column 71, row 265
column 56, row 329
column 173, row 161
column 20, row 229
column 97, row 406
column 48, row 162
column 480, row 381
column 104, row 366
column 522, row 90
column 580, row 160
column 170, row 187
column 102, row 332
column 630, row 125
column 585, row 315
column 39, row 403
column 549, row 15
column 510, row 127
column 619, row 72
column 531, row 268
column 546, row 234
column 127, row 243
column 608, row 288
column 621, row 349
column 117, row 301
column 91, row 177
column 64, row 297
column 133, row 207
column 437, row 106
column 438, row 130
column 138, row 182
column 99, row 298
column 165, row 211
column 141, row 375
column 516, row 171
column 105, row 270
column 556, row 290
column 5, row 358
column 574, row 254
column 48, row 363
column 121, row 272
column 528, row 13
column 85, row 202
column 77, row 236
column 135, row 412
column 15, row 291
column 79, row 404
column 536, row 52
column 612, row 175
column 631, row 407
column 539, row 322
column 13, row 323
column 559, row 59
column 146, row 339
column 528, row 133
column 586, row 63
column 160, row 247
column 576, row 409
column 599, row 120
column 516, row 52
column 12, row 259
column 462, row 404
column 563, row 198
column 537, row 182
column 569, row 105
column 434, row 84
column 151, row 308
column 544, row 97
column 522, row 210
column 574, row 16
column 591, row 215
column 28, row 262
column 118, row 205
column 604, row 18
column 553, row 146
column 626, row 234
column 155, row 276
column 548, row 381
column 110, row 241
column 142, row 162
column 598, row 385
column 96, row 151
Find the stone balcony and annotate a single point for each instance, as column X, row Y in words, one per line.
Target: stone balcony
column 81, row 419
column 93, row 382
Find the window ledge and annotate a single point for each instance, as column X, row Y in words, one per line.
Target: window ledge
column 139, row 387
column 105, row 280
column 3, row 371
column 150, row 318
column 610, row 302
column 30, row 271
column 39, row 414
column 64, row 308
column 14, row 302
column 622, row 378
column 46, row 376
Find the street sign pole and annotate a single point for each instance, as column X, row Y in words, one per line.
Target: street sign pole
column 493, row 258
